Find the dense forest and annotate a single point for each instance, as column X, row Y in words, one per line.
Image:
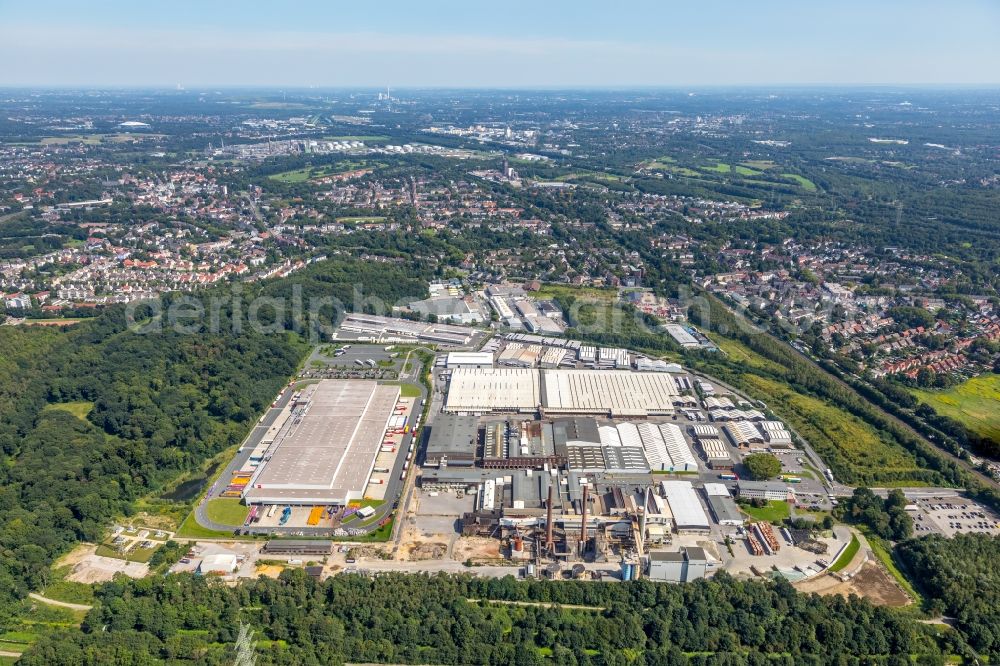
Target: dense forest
column 416, row 619
column 961, row 577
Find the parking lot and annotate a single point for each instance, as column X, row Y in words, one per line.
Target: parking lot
column 952, row 515
column 353, row 361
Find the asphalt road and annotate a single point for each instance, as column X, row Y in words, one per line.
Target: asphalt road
column 239, row 461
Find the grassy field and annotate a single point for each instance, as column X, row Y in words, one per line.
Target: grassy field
column 588, row 293
column 842, row 438
column 227, row 511
column 831, row 430
column 370, row 219
column 974, row 403
column 848, row 555
column 775, row 511
column 294, row 176
column 803, row 182
column 61, row 589
column 588, row 175
column 761, row 165
column 78, row 409
column 739, row 169
column 407, row 390
column 191, row 529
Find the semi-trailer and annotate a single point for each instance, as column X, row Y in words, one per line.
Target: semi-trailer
column 285, row 515
column 315, row 515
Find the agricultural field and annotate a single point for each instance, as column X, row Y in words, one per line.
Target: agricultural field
column 974, row 403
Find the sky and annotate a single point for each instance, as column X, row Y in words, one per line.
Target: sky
column 502, row 43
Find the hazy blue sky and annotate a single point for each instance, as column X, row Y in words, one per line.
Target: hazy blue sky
column 500, row 43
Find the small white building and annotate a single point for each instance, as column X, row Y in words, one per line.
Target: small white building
column 469, row 360
column 221, row 564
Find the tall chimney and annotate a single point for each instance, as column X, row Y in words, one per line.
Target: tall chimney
column 583, row 522
column 550, row 545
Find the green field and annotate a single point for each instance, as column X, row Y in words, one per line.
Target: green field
column 848, row 555
column 295, row 176
column 739, row 169
column 761, row 165
column 775, row 511
column 974, row 403
column 192, row 529
column 227, row 510
column 832, row 431
column 78, row 409
column 407, row 390
column 803, row 182
column 839, row 436
column 310, row 173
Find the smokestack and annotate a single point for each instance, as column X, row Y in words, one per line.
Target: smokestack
column 550, row 545
column 583, row 522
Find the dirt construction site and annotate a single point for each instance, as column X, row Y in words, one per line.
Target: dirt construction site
column 864, row 576
column 87, row 567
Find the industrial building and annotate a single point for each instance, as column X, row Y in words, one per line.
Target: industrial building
column 326, row 453
column 766, row 490
column 293, row 547
column 614, row 393
column 469, row 360
column 452, row 441
column 743, row 434
column 391, row 329
column 686, row 565
column 720, row 503
column 689, row 516
column 450, row 308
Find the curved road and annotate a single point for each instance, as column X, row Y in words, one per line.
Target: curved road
column 54, row 602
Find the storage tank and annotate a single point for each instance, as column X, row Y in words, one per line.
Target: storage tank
column 579, row 570
column 626, row 571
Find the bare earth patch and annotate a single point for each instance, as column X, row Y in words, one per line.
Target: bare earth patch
column 872, row 582
column 87, row 567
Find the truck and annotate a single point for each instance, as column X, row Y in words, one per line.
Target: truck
column 270, row 512
column 381, row 470
column 729, row 476
column 792, row 479
column 285, row 515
